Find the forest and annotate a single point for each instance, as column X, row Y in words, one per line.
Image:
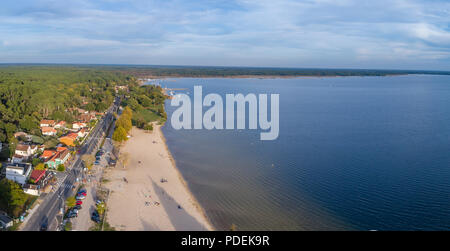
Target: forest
column 213, row 71
column 31, row 93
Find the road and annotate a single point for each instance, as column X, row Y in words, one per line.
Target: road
column 52, row 203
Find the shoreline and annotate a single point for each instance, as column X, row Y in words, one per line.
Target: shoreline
column 184, row 182
column 140, row 200
column 144, row 79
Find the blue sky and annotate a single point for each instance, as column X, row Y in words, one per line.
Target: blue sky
column 387, row 34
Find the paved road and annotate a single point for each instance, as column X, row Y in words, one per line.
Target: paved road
column 50, row 207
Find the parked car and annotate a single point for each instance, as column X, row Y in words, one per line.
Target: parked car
column 95, row 217
column 80, row 197
column 71, row 215
column 82, row 193
column 79, row 202
column 83, row 190
column 78, row 207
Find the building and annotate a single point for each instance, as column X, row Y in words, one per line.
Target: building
column 23, row 150
column 78, row 125
column 48, row 131
column 81, row 133
column 69, row 139
column 61, row 125
column 59, row 158
column 37, row 175
column 18, row 172
column 5, row 221
column 48, row 123
column 31, row 189
column 47, row 154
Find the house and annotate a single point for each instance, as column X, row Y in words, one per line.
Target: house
column 61, row 125
column 81, row 133
column 47, row 154
column 59, row 158
column 48, row 123
column 20, row 134
column 5, row 221
column 18, row 158
column 78, row 125
column 23, row 150
column 18, row 172
column 48, row 131
column 85, row 118
column 31, row 189
column 37, row 175
column 69, row 139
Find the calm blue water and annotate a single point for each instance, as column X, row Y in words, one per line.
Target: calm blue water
column 356, row 153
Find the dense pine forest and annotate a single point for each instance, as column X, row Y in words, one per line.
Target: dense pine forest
column 31, row 93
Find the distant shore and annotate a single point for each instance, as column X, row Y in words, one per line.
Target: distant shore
column 267, row 77
column 150, row 193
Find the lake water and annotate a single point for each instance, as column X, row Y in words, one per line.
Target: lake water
column 354, row 153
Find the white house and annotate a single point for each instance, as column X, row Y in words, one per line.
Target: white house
column 47, row 122
column 78, row 125
column 60, row 125
column 23, row 150
column 81, row 133
column 48, row 131
column 18, row 172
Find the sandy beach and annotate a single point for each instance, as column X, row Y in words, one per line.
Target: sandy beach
column 139, row 200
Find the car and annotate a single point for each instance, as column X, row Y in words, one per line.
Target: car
column 81, row 193
column 95, row 216
column 80, row 197
column 77, row 207
column 71, row 215
column 79, row 202
column 83, row 190
column 44, row 226
column 96, row 163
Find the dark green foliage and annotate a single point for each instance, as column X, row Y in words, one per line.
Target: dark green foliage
column 31, row 93
column 12, row 197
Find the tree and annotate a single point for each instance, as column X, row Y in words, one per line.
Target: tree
column 101, row 208
column 12, row 195
column 124, row 122
column 40, row 166
column 61, row 168
column 36, row 161
column 120, row 134
column 148, row 127
column 70, row 202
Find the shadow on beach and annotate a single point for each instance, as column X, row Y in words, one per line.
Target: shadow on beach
column 180, row 219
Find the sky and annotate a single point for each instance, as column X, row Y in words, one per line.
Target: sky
column 382, row 34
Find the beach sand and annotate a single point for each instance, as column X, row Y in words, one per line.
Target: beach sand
column 139, row 200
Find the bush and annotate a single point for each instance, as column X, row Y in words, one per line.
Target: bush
column 61, row 168
column 148, row 127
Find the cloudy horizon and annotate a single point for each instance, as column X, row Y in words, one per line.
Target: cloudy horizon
column 299, row 34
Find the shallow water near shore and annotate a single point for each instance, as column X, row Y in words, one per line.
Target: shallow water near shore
column 354, row 153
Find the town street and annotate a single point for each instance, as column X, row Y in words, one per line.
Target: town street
column 52, row 203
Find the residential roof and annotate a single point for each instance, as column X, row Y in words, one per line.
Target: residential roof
column 61, row 148
column 47, row 121
column 36, row 175
column 19, row 166
column 5, row 219
column 48, row 153
column 22, row 147
column 48, row 129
